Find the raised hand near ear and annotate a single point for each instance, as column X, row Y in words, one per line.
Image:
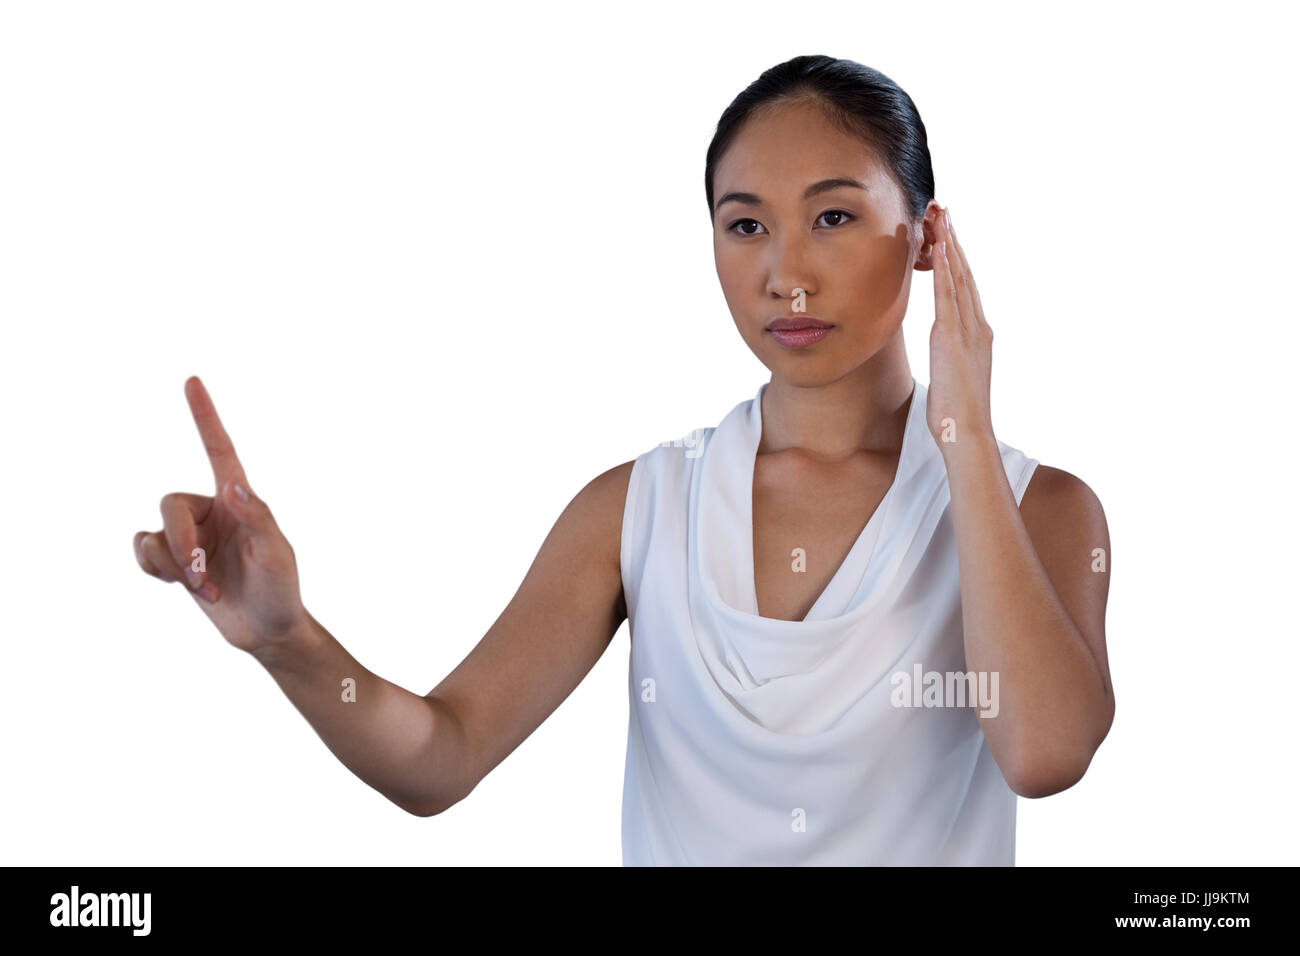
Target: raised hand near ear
column 226, row 549
column 961, row 347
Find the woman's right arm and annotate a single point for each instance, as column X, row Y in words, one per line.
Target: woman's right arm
column 422, row 753
column 427, row 753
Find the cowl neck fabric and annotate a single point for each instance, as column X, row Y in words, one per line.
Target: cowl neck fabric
column 727, row 561
column 757, row 741
column 790, row 676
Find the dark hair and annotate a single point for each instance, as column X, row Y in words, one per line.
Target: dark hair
column 861, row 101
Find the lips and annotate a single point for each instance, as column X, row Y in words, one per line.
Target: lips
column 798, row 332
column 795, row 323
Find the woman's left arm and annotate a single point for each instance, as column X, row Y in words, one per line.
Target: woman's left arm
column 1033, row 599
column 1034, row 579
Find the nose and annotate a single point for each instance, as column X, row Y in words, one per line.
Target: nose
column 789, row 267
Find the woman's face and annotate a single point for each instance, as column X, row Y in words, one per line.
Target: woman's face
column 850, row 249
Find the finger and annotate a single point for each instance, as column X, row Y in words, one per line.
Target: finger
column 220, row 449
column 946, row 306
column 182, row 515
column 961, row 279
column 248, row 509
column 979, row 305
column 155, row 557
column 147, row 566
column 971, row 288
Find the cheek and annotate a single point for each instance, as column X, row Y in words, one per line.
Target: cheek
column 726, row 255
column 735, row 270
column 874, row 272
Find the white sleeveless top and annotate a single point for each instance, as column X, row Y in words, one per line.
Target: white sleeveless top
column 755, row 741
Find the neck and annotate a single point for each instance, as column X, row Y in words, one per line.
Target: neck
column 865, row 410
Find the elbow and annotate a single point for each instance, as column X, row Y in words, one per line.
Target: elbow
column 1041, row 781
column 439, row 804
column 427, row 809
column 1051, row 766
column 1045, row 775
column 422, row 810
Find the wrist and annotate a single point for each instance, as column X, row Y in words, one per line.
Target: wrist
column 976, row 445
column 291, row 648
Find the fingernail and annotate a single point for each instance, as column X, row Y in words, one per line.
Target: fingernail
column 194, row 578
column 240, row 492
column 208, row 592
column 947, row 217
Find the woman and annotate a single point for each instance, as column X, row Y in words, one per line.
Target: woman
column 852, row 642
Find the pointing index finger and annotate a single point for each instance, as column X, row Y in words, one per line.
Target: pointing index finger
column 221, row 451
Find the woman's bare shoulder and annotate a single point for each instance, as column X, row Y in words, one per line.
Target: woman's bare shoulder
column 606, row 494
column 613, row 481
column 595, row 515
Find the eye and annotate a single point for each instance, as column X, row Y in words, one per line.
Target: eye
column 844, row 216
column 732, row 227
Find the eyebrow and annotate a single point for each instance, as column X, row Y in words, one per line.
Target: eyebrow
column 816, row 188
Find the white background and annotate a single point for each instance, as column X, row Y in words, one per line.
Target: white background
column 442, row 264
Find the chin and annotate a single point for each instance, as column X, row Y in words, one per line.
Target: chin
column 821, row 364
column 804, row 371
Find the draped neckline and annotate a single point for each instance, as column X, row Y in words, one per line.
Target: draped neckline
column 723, row 543
column 863, row 547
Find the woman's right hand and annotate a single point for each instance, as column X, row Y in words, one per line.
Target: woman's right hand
column 236, row 563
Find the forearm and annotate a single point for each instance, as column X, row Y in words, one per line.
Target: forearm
column 1053, row 699
column 403, row 745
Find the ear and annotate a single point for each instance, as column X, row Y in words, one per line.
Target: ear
column 931, row 233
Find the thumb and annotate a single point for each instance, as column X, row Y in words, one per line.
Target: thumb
column 249, row 509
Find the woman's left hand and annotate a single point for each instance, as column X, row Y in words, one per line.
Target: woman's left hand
column 961, row 350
